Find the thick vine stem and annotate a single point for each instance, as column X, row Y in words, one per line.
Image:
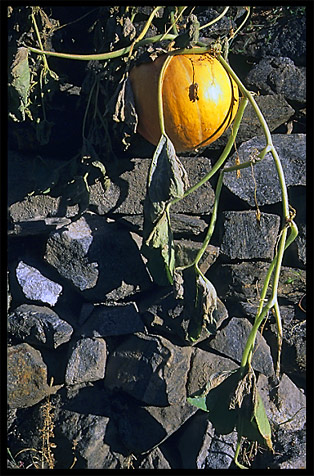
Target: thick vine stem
column 160, row 102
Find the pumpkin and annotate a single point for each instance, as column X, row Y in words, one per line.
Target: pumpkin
column 200, row 100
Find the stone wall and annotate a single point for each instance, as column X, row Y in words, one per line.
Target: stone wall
column 83, row 310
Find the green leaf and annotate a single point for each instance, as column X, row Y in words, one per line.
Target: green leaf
column 20, row 84
column 262, row 420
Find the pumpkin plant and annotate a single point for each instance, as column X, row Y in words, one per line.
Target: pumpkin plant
column 185, row 99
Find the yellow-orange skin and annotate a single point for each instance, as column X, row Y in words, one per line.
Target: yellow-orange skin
column 200, row 100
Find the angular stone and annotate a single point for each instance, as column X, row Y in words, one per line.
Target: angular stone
column 149, row 368
column 221, row 451
column 288, row 407
column 203, row 365
column 35, row 286
column 87, row 361
column 39, row 325
column 155, row 460
column 120, row 319
column 90, row 432
column 26, row 377
column 279, row 76
column 244, row 282
column 245, row 237
column 285, row 37
column 231, row 340
column 142, row 428
column 292, row 154
column 98, row 258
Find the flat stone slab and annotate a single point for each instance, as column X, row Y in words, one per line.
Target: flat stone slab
column 35, row 286
column 39, row 325
column 291, row 149
column 246, row 237
column 231, row 340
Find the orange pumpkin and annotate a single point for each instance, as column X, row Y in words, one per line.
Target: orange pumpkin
column 200, row 100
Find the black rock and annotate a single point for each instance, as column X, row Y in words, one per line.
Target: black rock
column 150, row 369
column 246, row 237
column 118, row 319
column 279, row 76
column 38, row 325
column 292, row 154
column 230, row 341
column 87, row 361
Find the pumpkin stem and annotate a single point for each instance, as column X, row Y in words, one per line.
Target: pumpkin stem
column 160, row 103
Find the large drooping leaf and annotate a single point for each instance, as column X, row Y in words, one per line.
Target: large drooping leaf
column 200, row 301
column 216, row 401
column 20, row 82
column 167, row 180
column 252, row 420
column 158, row 248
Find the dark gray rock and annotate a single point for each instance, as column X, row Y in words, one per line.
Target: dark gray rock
column 201, row 447
column 286, row 36
column 127, row 193
column 292, row 154
column 154, row 460
column 276, row 111
column 290, row 450
column 279, row 76
column 87, row 433
column 287, row 407
column 301, row 244
column 231, row 340
column 149, row 368
column 221, row 451
column 293, row 357
column 38, row 325
column 38, row 207
column 244, row 282
column 245, row 237
column 35, row 286
column 26, row 377
column 89, row 254
column 203, row 365
column 87, row 361
column 142, row 428
column 119, row 319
